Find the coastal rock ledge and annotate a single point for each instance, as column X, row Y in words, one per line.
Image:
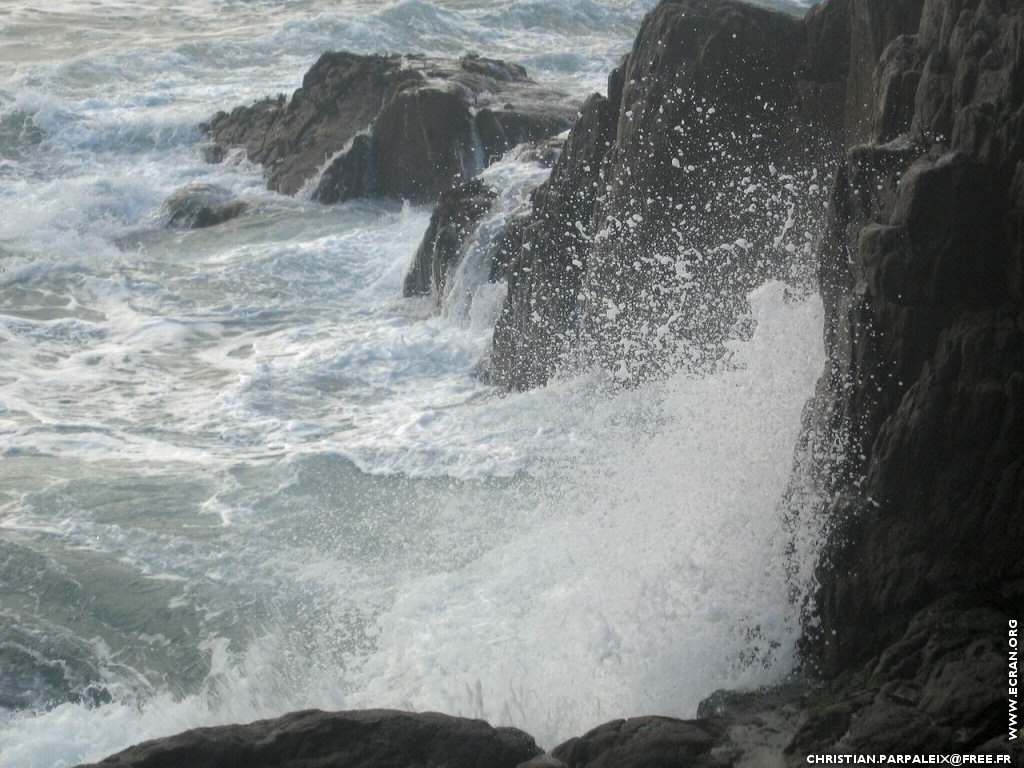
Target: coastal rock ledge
column 393, row 126
column 374, row 738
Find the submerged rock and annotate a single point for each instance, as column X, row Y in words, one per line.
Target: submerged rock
column 375, row 738
column 202, row 205
column 402, row 126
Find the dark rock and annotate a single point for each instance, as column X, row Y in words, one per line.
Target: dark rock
column 454, row 227
column 543, row 761
column 925, row 338
column 387, row 125
column 202, row 205
column 361, row 739
column 544, row 274
column 645, row 238
column 921, row 269
column 874, row 24
column 453, row 220
column 353, row 174
column 507, row 245
column 647, row 742
column 938, row 689
column 709, row 102
column 896, row 80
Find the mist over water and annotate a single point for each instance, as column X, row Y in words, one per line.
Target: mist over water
column 240, row 475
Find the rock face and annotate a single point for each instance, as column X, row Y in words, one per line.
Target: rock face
column 918, row 136
column 922, row 267
column 363, row 739
column 679, row 191
column 640, row 742
column 451, row 223
column 937, row 689
column 406, row 127
column 456, row 223
column 915, row 432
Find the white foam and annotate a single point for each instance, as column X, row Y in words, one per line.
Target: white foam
column 630, row 584
column 177, row 412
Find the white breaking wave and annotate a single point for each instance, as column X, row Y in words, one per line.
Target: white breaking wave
column 240, row 475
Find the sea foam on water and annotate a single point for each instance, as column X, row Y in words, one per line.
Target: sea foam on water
column 241, row 475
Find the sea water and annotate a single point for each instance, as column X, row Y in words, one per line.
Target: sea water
column 240, row 474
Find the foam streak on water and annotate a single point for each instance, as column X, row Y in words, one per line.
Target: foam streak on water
column 240, row 475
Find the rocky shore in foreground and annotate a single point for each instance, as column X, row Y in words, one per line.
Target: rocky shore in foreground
column 899, row 126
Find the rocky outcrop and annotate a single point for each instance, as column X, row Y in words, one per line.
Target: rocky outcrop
column 922, row 268
column 919, row 262
column 201, row 205
column 937, row 689
column 452, row 221
column 688, row 184
column 455, row 225
column 639, row 241
column 545, row 265
column 640, row 742
column 407, row 127
column 874, row 25
column 375, row 738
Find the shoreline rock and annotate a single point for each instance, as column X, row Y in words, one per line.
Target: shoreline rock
column 375, row 738
column 451, row 223
column 392, row 126
column 456, row 223
column 687, row 185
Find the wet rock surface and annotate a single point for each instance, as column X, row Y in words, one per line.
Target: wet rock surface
column 454, row 225
column 201, row 205
column 921, row 270
column 677, row 192
column 401, row 126
column 451, row 223
column 915, row 427
column 315, row 739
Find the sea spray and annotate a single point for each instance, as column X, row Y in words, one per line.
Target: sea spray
column 241, row 475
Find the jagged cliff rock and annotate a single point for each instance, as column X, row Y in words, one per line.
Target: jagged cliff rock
column 874, row 25
column 544, row 267
column 919, row 414
column 397, row 126
column 639, row 239
column 688, row 184
column 922, row 268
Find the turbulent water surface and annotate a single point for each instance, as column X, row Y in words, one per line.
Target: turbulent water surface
column 239, row 474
